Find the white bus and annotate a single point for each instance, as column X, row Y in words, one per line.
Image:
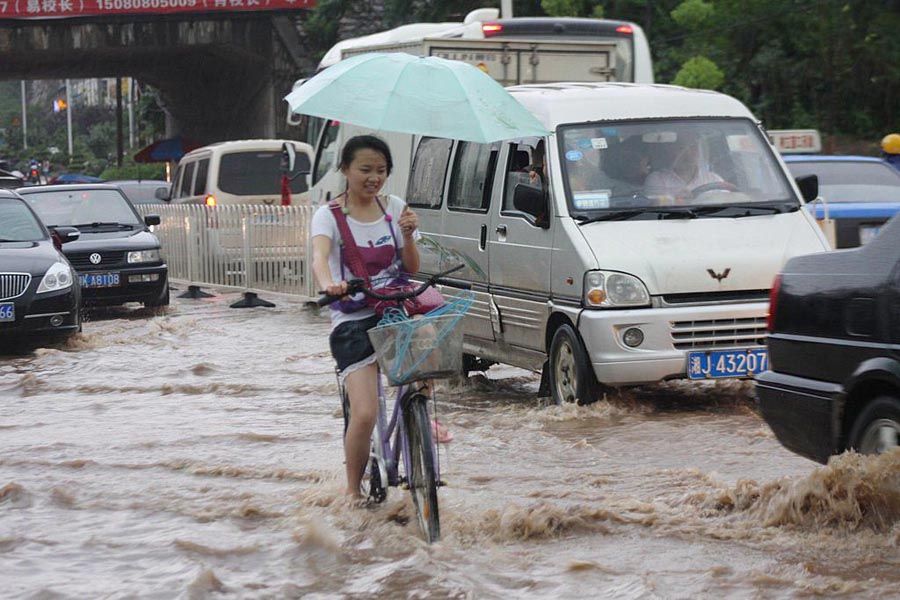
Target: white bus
column 513, row 51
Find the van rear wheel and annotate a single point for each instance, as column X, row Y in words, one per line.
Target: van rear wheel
column 571, row 374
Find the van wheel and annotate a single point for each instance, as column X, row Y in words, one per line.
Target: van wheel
column 877, row 428
column 571, row 374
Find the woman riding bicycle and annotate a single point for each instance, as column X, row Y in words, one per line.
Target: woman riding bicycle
column 384, row 229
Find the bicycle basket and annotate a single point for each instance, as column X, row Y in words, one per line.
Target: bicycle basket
column 426, row 347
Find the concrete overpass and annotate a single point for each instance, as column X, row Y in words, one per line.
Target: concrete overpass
column 221, row 74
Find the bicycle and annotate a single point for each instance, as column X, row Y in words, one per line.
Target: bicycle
column 408, row 352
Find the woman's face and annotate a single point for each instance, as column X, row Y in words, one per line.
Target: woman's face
column 366, row 174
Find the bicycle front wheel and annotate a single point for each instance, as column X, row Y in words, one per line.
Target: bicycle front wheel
column 421, row 471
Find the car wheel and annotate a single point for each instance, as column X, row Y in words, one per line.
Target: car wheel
column 877, row 428
column 571, row 374
column 163, row 300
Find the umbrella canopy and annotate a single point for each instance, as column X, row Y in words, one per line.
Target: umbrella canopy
column 409, row 94
column 165, row 150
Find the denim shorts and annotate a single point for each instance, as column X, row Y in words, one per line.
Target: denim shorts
column 350, row 344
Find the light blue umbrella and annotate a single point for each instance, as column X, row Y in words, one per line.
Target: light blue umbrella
column 409, row 94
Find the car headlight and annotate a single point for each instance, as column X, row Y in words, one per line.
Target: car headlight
column 143, row 256
column 608, row 289
column 58, row 277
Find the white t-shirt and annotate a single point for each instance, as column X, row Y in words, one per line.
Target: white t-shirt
column 376, row 245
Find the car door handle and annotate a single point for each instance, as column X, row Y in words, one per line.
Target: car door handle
column 482, row 240
column 501, row 229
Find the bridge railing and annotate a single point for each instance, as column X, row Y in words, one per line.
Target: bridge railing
column 251, row 248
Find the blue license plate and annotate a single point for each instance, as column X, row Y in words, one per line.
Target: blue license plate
column 99, row 280
column 7, row 312
column 717, row 364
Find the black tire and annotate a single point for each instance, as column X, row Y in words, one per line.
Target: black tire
column 877, row 428
column 421, row 472
column 571, row 373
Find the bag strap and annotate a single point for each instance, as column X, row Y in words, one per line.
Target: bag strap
column 349, row 252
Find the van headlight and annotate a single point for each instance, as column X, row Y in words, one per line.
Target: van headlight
column 58, row 277
column 608, row 289
column 143, row 256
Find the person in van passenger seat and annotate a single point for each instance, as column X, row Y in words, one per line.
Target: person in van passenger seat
column 681, row 171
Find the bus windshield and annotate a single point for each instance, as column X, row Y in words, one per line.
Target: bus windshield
column 669, row 163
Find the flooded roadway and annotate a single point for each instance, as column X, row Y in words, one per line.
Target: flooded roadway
column 197, row 454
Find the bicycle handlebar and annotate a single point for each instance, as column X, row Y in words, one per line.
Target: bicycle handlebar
column 355, row 286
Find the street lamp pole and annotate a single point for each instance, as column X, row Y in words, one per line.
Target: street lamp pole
column 69, row 118
column 24, row 119
column 506, row 9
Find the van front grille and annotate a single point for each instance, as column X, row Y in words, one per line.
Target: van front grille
column 719, row 333
column 717, row 297
column 13, row 285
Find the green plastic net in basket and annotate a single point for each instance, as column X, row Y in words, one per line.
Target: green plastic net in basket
column 425, row 347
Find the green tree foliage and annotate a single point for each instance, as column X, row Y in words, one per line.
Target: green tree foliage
column 134, row 170
column 563, row 8
column 691, row 14
column 700, row 72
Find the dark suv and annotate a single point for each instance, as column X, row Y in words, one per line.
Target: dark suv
column 834, row 350
column 117, row 258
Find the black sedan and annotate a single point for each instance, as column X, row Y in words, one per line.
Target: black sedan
column 117, row 258
column 39, row 294
column 834, row 351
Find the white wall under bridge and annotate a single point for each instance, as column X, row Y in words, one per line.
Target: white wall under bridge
column 220, row 77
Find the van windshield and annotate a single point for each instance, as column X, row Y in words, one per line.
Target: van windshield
column 654, row 167
column 257, row 173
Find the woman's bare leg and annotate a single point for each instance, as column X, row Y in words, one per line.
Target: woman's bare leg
column 362, row 390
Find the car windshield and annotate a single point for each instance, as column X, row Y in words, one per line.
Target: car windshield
column 662, row 164
column 82, row 207
column 852, row 181
column 17, row 223
column 257, row 173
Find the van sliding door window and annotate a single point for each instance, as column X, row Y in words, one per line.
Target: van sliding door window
column 200, row 180
column 473, row 177
column 176, row 182
column 429, row 169
column 187, row 180
column 525, row 167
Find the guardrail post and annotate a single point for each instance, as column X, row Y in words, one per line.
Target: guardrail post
column 193, row 254
column 251, row 299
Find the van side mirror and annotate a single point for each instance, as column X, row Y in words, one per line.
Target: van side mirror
column 809, row 187
column 152, row 220
column 288, row 157
column 162, row 193
column 532, row 201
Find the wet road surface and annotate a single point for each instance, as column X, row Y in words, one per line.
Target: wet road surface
column 196, row 453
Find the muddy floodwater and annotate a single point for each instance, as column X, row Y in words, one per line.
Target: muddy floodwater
column 197, row 453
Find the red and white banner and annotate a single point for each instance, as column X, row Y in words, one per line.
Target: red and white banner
column 49, row 9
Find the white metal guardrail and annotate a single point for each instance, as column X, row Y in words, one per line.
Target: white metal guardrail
column 248, row 247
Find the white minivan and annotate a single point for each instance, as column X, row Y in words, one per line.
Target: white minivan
column 240, row 172
column 636, row 243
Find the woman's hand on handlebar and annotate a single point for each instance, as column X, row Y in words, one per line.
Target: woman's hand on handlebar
column 338, row 289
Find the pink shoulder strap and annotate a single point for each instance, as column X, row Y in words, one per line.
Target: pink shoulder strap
column 349, row 252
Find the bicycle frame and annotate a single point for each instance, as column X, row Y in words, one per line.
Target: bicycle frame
column 389, row 438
